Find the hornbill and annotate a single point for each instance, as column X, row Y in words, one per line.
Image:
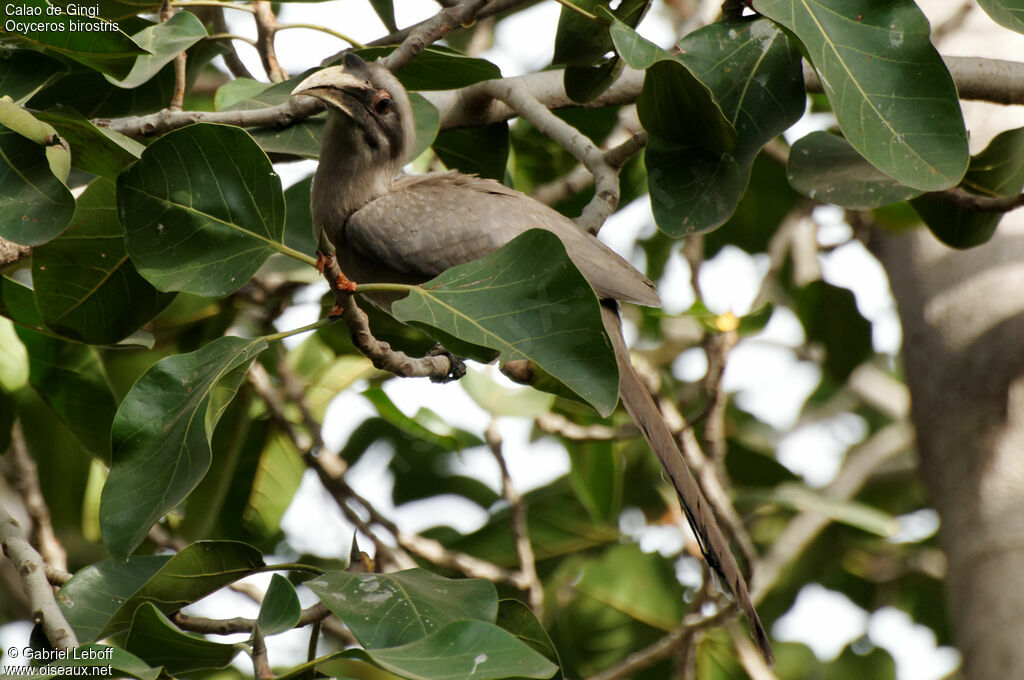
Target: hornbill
column 390, row 227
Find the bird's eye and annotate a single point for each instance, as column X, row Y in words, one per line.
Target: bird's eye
column 382, row 102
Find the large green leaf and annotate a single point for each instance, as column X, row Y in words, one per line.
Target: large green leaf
column 157, row 641
column 35, row 205
column 479, row 150
column 164, row 41
column 121, row 663
column 676, row 107
column 891, row 92
column 753, row 71
column 190, row 575
column 998, row 171
column 70, row 380
column 109, row 51
column 161, row 436
column 829, row 315
column 86, row 287
column 202, row 210
column 25, row 72
column 94, row 594
column 96, row 150
column 1009, row 13
column 518, row 619
column 280, row 610
column 437, row 68
column 651, row 592
column 464, row 649
column 388, row 610
column 527, row 301
column 826, row 168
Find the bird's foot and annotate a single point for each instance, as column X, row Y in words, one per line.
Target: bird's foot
column 457, row 367
column 342, row 282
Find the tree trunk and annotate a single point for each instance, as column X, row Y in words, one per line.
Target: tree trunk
column 963, row 349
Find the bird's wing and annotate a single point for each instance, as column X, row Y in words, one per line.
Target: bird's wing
column 428, row 223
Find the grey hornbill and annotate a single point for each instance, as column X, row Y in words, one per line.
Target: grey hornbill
column 390, row 227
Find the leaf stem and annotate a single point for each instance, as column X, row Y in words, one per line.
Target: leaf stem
column 384, row 287
column 290, row 566
column 582, row 12
column 323, row 29
column 291, row 252
column 302, row 668
column 320, row 323
column 212, row 3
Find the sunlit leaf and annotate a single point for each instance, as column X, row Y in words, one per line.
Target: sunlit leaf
column 280, row 610
column 164, row 41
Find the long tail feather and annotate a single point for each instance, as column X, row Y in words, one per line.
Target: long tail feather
column 641, row 407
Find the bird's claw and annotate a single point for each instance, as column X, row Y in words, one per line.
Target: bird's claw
column 456, row 366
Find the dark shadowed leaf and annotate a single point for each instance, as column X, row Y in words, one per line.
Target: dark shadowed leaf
column 69, row 378
column 202, row 210
column 96, row 150
column 109, row 52
column 826, row 168
column 437, row 68
column 280, row 610
column 583, row 83
column 385, row 10
column 25, row 72
column 753, row 71
column 158, row 642
column 829, row 315
column 525, row 301
column 86, row 287
column 1009, row 13
column 161, row 436
column 998, row 171
column 298, row 223
column 35, row 205
column 387, row 610
column 475, row 151
column 642, row 585
column 164, row 41
column 676, row 107
column 891, row 92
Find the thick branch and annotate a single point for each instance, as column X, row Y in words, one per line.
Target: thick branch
column 432, row 30
column 965, row 200
column 266, row 27
column 31, row 569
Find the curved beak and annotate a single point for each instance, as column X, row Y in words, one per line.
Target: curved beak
column 334, row 86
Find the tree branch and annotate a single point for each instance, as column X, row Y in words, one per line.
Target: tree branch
column 432, row 30
column 266, row 27
column 26, row 482
column 199, row 624
column 965, row 200
column 31, row 569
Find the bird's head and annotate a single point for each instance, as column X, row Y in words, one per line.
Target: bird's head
column 367, row 105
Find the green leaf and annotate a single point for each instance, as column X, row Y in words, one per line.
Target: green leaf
column 387, row 610
column 237, row 90
column 515, row 617
column 676, row 107
column 25, row 72
column 753, row 70
column 121, row 663
column 35, row 206
column 826, row 168
column 437, row 68
column 153, row 638
column 583, row 83
column 164, row 41
column 96, row 150
column 465, row 649
column 108, row 51
column 998, row 171
column 829, row 315
column 880, row 72
column 86, row 287
column 1009, row 13
column 202, row 210
column 13, row 359
column 95, row 593
column 428, row 123
column 280, row 610
column 581, row 45
column 18, row 304
column 273, row 487
column 596, row 475
column 298, row 223
column 71, row 382
column 479, row 150
column 190, row 575
column 161, row 436
column 650, row 593
column 385, row 10
column 527, row 301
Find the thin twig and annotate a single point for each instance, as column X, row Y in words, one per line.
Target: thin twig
column 432, row 30
column 663, row 648
column 323, row 29
column 25, row 480
column 555, row 423
column 751, row 660
column 198, row 624
column 717, row 347
column 30, row 567
column 260, row 662
column 520, row 529
column 606, row 178
column 965, row 200
column 579, row 178
column 266, row 27
column 178, row 96
column 234, row 63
